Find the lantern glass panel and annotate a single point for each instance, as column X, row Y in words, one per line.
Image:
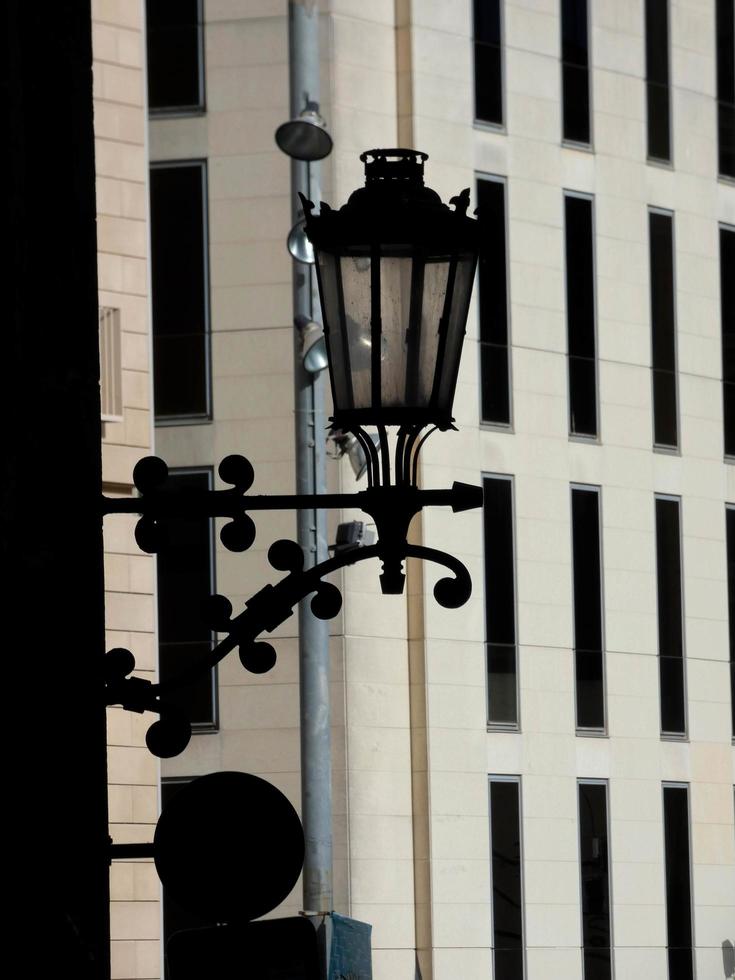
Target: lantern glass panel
column 448, row 367
column 332, row 312
column 356, row 271
column 435, row 272
column 395, row 309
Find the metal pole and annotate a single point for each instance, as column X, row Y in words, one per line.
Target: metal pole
column 316, row 785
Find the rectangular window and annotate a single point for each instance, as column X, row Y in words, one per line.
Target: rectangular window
column 670, row 618
column 507, row 881
column 594, row 871
column 185, row 580
column 678, row 883
column 663, row 329
column 175, row 40
column 580, row 281
column 500, row 602
column 726, row 86
column 575, row 71
column 657, row 79
column 727, row 307
column 180, row 290
column 588, row 606
column 730, row 518
column 488, row 62
column 493, row 286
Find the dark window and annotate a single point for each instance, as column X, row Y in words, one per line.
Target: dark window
column 493, row 285
column 595, row 878
column 580, row 277
column 185, row 580
column 588, row 657
column 175, row 916
column 500, row 604
column 730, row 517
column 663, row 329
column 678, row 884
column 670, row 624
column 726, row 86
column 575, row 71
column 175, row 55
column 657, row 79
column 727, row 300
column 179, row 290
column 488, row 62
column 505, row 847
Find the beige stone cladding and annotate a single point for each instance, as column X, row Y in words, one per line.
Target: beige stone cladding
column 412, row 748
column 122, row 236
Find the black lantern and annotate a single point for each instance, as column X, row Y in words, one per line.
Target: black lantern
column 395, row 268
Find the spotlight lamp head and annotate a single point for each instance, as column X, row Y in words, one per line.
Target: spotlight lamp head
column 306, row 137
column 313, row 347
column 395, row 269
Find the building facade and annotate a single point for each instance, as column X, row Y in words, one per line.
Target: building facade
column 541, row 783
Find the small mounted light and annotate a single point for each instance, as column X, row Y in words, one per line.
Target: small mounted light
column 299, row 245
column 313, row 345
column 347, row 445
column 352, row 535
column 306, row 137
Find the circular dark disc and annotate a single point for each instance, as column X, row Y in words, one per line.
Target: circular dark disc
column 229, row 846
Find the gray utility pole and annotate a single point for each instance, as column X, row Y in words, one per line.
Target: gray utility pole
column 316, row 751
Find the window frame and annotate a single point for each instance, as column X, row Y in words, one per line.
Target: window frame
column 675, row 784
column 500, row 726
column 661, row 447
column 730, row 586
column 487, row 124
column 666, row 162
column 581, row 730
column 518, row 781
column 183, row 111
column 593, row 781
column 726, row 177
column 581, row 436
column 194, row 418
column 203, row 728
column 724, row 226
column 486, row 423
column 565, row 142
column 666, row 736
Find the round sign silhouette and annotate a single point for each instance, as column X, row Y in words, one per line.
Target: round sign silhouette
column 229, row 846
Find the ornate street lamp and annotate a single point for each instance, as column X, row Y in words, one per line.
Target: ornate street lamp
column 395, row 268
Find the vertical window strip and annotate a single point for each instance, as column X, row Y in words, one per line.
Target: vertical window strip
column 580, row 298
column 185, row 566
column 588, row 609
column 575, row 71
column 725, row 44
column 594, row 867
column 488, row 62
column 500, row 603
column 180, row 290
column 663, row 329
column 680, row 952
column 507, row 877
column 657, row 80
column 670, row 616
column 175, row 56
column 730, row 536
column 495, row 387
column 727, row 309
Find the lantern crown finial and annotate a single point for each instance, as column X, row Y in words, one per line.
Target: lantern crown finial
column 406, row 166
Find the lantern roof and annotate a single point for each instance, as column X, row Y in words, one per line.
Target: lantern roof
column 394, row 208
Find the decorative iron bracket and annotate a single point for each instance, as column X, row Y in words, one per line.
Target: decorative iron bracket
column 392, row 507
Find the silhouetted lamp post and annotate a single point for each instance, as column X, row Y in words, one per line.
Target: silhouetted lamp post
column 395, row 272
